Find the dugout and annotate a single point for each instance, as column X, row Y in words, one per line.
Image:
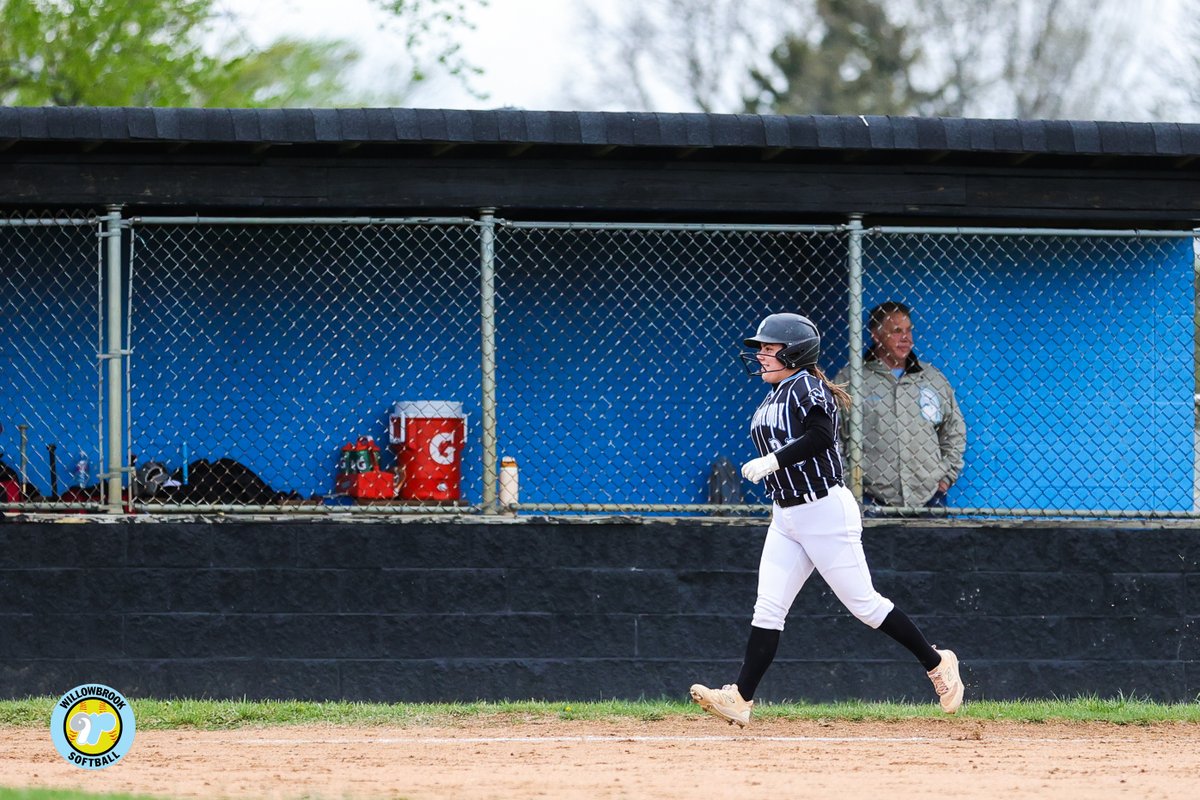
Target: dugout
column 581, row 607
column 1055, row 297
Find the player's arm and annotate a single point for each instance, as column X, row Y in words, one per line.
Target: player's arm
column 816, row 437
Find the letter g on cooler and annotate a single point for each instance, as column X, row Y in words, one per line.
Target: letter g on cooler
column 441, row 448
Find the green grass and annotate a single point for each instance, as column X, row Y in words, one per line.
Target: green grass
column 223, row 714
column 60, row 794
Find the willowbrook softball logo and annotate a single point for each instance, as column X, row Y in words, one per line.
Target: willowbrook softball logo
column 92, row 726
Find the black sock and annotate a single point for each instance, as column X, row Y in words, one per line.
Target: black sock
column 760, row 652
column 898, row 626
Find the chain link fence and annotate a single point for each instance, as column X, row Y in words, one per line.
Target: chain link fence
column 260, row 351
column 51, row 437
column 620, row 385
column 601, row 358
column 1070, row 357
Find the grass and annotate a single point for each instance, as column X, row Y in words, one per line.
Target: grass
column 225, row 714
column 60, row 794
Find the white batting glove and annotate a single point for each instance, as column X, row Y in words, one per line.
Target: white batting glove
column 757, row 469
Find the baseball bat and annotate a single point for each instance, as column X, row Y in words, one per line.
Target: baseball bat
column 53, row 471
column 24, row 449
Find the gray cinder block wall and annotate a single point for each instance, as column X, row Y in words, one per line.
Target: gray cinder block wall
column 409, row 611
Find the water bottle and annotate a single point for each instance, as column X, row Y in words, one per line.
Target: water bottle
column 509, row 485
column 81, row 473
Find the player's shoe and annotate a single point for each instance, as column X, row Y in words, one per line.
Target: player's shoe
column 946, row 682
column 726, row 703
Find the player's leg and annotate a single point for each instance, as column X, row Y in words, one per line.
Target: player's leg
column 783, row 569
column 833, row 540
column 831, row 533
column 940, row 665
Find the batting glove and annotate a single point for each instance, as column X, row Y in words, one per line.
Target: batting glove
column 759, row 468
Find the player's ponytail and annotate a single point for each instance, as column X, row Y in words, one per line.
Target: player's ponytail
column 840, row 395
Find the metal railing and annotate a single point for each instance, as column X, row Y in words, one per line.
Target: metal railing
column 231, row 361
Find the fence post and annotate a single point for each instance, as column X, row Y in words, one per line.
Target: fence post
column 487, row 326
column 114, row 459
column 854, row 457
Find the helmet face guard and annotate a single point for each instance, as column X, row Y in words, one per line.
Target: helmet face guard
column 800, row 339
column 753, row 365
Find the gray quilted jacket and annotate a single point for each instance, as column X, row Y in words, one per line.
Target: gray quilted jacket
column 913, row 431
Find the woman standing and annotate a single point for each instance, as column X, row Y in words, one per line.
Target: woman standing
column 815, row 521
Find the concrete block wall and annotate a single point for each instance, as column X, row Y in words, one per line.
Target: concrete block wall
column 578, row 610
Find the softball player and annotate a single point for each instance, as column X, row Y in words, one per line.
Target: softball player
column 815, row 520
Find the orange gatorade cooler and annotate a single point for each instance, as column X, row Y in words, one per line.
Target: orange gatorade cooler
column 427, row 438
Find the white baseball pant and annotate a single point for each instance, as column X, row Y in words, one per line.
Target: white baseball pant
column 825, row 534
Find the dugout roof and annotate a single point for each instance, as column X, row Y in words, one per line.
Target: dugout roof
column 593, row 165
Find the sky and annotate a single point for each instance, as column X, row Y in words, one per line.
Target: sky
column 523, row 47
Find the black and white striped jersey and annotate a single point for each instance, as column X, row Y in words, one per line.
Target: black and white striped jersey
column 779, row 421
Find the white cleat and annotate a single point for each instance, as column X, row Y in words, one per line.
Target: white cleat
column 726, row 703
column 946, row 682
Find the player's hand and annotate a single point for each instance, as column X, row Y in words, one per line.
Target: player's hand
column 757, row 469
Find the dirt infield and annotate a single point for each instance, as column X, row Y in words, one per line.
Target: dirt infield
column 675, row 758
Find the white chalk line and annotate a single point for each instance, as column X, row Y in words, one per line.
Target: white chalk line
column 583, row 739
column 618, row 739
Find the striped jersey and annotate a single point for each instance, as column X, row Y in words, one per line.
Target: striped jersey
column 779, row 421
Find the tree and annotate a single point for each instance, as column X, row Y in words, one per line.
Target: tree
column 1030, row 59
column 1180, row 68
column 859, row 62
column 983, row 58
column 429, row 27
column 664, row 54
column 161, row 53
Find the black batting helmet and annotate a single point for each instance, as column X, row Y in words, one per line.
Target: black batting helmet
column 799, row 336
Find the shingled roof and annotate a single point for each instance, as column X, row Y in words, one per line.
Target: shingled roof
column 601, row 165
column 406, row 126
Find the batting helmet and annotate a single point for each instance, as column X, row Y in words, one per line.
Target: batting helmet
column 799, row 336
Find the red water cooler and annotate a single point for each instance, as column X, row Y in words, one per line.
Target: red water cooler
column 427, row 438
